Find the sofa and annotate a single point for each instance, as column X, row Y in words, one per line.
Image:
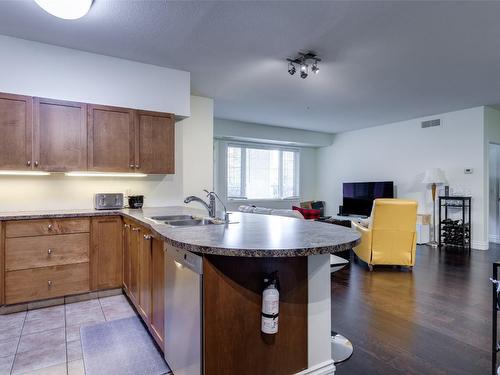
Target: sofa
column 270, row 211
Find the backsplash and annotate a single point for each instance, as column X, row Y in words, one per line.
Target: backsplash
column 62, row 192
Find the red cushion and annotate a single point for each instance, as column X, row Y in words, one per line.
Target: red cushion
column 308, row 213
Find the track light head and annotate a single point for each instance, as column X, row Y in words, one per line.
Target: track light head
column 303, row 72
column 291, row 69
column 315, row 68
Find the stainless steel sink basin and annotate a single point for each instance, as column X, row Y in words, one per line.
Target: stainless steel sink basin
column 171, row 217
column 189, row 222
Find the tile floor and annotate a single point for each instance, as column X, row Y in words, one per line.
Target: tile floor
column 47, row 341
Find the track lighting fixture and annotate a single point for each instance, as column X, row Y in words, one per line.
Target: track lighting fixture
column 302, row 61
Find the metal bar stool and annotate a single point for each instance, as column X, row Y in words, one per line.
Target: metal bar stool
column 341, row 347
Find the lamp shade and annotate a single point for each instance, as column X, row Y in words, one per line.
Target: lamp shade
column 434, row 176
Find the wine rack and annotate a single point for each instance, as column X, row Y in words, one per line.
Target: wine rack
column 495, row 346
column 455, row 231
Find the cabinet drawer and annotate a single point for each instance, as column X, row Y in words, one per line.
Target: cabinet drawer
column 45, row 227
column 46, row 282
column 33, row 252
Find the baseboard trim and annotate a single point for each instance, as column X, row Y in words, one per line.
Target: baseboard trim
column 480, row 245
column 323, row 368
column 495, row 238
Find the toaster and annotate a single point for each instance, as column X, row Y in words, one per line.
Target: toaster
column 108, row 201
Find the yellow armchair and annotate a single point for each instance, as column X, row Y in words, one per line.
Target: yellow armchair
column 391, row 237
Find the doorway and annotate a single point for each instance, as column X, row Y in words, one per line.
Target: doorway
column 494, row 192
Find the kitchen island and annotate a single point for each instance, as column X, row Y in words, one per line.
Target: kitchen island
column 235, row 259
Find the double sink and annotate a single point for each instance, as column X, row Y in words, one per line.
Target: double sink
column 184, row 220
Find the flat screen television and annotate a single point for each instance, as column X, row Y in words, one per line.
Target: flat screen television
column 359, row 196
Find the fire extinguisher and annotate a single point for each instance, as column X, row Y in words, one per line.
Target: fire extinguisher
column 270, row 305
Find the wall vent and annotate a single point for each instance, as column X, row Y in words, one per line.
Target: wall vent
column 431, row 123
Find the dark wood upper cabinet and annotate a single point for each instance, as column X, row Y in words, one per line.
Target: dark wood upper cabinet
column 110, row 139
column 60, row 135
column 16, row 132
column 154, row 142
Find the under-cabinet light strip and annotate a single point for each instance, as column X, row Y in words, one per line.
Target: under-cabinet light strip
column 23, row 173
column 104, row 174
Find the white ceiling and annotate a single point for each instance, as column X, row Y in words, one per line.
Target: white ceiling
column 382, row 61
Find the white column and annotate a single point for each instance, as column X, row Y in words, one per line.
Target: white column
column 319, row 317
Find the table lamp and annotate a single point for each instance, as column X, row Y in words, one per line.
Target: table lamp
column 433, row 177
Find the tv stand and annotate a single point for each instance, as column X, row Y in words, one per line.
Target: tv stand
column 356, row 218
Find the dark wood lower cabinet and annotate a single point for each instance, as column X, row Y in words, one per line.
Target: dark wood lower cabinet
column 106, row 253
column 126, row 256
column 158, row 292
column 144, row 277
column 145, row 249
column 233, row 342
column 134, row 255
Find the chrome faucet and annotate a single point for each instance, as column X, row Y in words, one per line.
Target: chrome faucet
column 211, row 208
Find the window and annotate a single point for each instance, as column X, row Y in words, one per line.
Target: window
column 262, row 172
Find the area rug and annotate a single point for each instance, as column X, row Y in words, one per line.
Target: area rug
column 121, row 347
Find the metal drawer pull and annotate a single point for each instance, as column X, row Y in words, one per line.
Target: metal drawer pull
column 131, row 165
column 137, row 166
column 147, row 237
column 126, row 225
column 28, row 163
column 135, row 229
column 49, row 251
column 36, row 163
column 49, row 283
column 49, row 227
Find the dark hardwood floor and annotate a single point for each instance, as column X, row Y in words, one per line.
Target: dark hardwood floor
column 434, row 320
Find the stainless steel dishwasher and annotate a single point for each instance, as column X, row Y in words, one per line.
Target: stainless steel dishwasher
column 183, row 311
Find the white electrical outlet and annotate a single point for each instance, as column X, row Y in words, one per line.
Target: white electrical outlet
column 468, row 170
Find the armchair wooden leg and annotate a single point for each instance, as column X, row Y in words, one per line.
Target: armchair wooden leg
column 370, row 267
column 410, row 268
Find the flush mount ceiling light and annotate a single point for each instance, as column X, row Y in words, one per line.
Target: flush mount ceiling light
column 104, row 174
column 66, row 9
column 302, row 60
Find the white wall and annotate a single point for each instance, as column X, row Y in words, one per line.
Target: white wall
column 193, row 166
column 244, row 131
column 252, row 132
column 402, row 152
column 197, row 152
column 37, row 69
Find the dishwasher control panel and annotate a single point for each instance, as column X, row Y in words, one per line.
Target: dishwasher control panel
column 184, row 258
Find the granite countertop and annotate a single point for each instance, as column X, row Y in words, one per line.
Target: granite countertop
column 247, row 235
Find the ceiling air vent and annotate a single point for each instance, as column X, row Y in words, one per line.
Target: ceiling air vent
column 431, row 123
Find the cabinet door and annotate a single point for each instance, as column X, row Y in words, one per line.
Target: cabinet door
column 16, row 132
column 110, row 139
column 155, row 142
column 134, row 247
column 145, row 256
column 60, row 135
column 126, row 256
column 106, row 255
column 158, row 292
